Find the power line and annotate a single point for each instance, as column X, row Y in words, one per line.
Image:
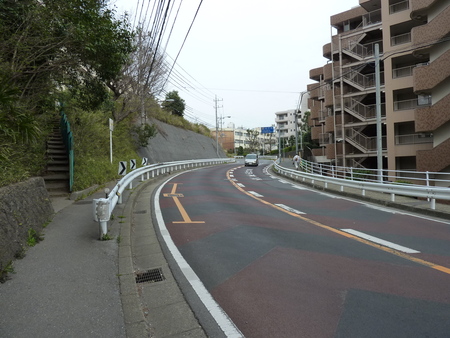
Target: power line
column 184, row 41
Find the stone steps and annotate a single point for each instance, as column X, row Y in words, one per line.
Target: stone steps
column 57, row 173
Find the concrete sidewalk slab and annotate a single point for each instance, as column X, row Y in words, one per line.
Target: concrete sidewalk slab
column 67, row 284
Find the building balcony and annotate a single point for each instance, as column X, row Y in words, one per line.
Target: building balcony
column 315, row 133
column 420, row 101
column 328, row 72
column 428, row 119
column 281, row 119
column 314, row 90
column 434, row 159
column 399, row 7
column 355, row 18
column 325, row 138
column 326, row 50
column 316, row 74
column 436, row 29
column 420, row 7
column 329, row 124
column 400, row 39
column 328, row 97
column 414, row 138
column 428, row 77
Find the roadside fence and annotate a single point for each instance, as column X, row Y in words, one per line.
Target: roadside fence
column 427, row 185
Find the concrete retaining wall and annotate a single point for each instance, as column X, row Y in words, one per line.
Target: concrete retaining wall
column 23, row 206
column 176, row 144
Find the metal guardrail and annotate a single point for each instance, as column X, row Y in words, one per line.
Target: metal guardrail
column 103, row 207
column 430, row 189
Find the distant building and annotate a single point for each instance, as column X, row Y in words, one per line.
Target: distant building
column 231, row 138
column 285, row 120
column 412, row 36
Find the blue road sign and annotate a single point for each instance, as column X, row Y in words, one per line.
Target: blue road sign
column 266, row 130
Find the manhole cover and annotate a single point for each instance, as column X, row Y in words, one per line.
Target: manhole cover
column 152, row 276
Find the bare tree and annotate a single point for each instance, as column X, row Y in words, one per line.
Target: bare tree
column 252, row 139
column 142, row 77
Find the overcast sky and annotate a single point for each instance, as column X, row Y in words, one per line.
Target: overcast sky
column 255, row 55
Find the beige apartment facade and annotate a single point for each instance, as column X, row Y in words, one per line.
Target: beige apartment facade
column 413, row 40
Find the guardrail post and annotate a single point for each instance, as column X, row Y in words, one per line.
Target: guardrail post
column 101, row 215
column 392, row 197
column 433, row 204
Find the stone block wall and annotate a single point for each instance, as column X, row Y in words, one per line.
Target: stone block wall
column 23, row 206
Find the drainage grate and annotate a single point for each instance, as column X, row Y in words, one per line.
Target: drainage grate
column 153, row 276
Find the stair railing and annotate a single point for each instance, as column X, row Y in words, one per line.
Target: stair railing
column 67, row 137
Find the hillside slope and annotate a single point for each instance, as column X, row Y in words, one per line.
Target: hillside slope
column 176, row 144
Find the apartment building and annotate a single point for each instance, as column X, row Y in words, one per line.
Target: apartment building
column 232, row 137
column 412, row 37
column 285, row 122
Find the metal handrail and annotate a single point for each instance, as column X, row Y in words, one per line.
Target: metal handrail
column 417, row 184
column 103, row 207
column 67, row 137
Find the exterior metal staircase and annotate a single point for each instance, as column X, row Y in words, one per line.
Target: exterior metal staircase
column 361, row 111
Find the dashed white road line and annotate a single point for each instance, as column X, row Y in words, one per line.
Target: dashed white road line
column 285, row 207
column 380, row 241
column 254, row 193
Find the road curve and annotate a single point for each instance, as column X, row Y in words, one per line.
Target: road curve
column 285, row 261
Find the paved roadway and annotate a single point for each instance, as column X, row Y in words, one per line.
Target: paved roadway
column 285, row 261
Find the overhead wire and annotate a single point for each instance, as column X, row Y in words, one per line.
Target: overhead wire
column 184, row 41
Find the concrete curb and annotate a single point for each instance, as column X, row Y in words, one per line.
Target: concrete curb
column 135, row 324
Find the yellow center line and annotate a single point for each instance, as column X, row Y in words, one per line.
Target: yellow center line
column 345, row 234
column 184, row 214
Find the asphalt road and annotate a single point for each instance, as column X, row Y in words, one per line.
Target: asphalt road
column 285, row 261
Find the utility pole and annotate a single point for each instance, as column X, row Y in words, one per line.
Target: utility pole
column 378, row 113
column 296, row 114
column 217, row 125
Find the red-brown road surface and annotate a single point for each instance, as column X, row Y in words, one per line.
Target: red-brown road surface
column 274, row 257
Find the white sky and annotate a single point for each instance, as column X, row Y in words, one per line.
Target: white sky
column 255, row 55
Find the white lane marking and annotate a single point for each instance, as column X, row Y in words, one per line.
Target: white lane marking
column 284, row 182
column 254, row 193
column 299, row 187
column 231, row 175
column 249, row 172
column 285, row 207
column 240, row 185
column 234, row 179
column 219, row 315
column 380, row 241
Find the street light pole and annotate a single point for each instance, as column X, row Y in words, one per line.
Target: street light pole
column 217, row 127
column 299, row 112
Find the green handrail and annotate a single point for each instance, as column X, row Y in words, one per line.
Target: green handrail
column 68, row 143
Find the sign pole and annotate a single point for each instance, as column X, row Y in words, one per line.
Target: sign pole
column 111, row 128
